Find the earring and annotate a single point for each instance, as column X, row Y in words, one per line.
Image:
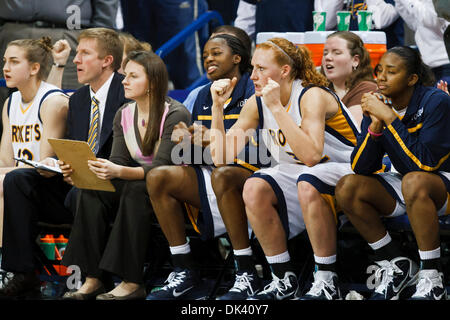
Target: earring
column 354, row 68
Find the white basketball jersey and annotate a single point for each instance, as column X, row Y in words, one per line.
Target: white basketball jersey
column 25, row 121
column 340, row 130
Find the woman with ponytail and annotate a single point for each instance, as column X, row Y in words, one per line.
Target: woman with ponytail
column 35, row 112
column 408, row 120
column 310, row 135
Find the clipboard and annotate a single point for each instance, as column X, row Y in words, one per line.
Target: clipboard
column 77, row 153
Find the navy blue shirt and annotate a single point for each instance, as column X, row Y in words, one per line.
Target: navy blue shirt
column 201, row 114
column 283, row 15
column 420, row 141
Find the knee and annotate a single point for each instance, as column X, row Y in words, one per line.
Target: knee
column 414, row 186
column 19, row 179
column 156, row 179
column 256, row 194
column 226, row 178
column 307, row 193
column 346, row 191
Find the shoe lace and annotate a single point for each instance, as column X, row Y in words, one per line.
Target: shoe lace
column 175, row 279
column 319, row 286
column 277, row 284
column 385, row 275
column 243, row 282
column 425, row 285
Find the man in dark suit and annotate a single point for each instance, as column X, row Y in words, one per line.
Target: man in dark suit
column 31, row 196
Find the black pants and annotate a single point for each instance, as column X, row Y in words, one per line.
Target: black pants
column 95, row 247
column 29, row 198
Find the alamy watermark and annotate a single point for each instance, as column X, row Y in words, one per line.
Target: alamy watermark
column 73, row 21
column 372, row 281
column 255, row 153
column 73, row 281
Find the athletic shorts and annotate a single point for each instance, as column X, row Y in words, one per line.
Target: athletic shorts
column 324, row 177
column 392, row 182
column 209, row 221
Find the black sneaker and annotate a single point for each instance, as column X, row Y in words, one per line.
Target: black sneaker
column 430, row 286
column 393, row 277
column 246, row 285
column 324, row 287
column 20, row 286
column 178, row 285
column 279, row 289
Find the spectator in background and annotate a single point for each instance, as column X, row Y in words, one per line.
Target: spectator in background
column 442, row 8
column 384, row 16
column 428, row 28
column 255, row 16
column 130, row 44
column 226, row 8
column 62, row 19
column 156, row 21
column 346, row 63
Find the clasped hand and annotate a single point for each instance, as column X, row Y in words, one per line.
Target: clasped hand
column 378, row 107
column 196, row 134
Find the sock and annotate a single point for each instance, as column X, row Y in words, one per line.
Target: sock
column 325, row 263
column 243, row 260
column 181, row 249
column 280, row 264
column 385, row 248
column 182, row 257
column 431, row 259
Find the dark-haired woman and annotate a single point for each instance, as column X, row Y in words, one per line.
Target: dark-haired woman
column 408, row 121
column 142, row 141
column 346, row 64
column 217, row 192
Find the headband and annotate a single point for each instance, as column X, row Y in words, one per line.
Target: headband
column 284, row 52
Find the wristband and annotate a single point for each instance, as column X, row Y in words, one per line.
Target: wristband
column 373, row 133
column 59, row 65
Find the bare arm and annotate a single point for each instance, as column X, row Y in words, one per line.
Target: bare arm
column 307, row 140
column 226, row 146
column 60, row 53
column 53, row 115
column 6, row 149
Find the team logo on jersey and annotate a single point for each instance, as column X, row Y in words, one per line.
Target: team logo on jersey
column 25, row 133
column 418, row 114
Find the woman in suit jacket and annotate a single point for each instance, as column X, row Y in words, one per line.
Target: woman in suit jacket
column 141, row 141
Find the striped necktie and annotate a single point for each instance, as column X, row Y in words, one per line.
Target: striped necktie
column 93, row 128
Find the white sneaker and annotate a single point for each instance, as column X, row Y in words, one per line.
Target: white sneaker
column 430, row 286
column 324, row 287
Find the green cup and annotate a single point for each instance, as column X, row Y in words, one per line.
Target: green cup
column 319, row 19
column 343, row 20
column 364, row 20
column 49, row 250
